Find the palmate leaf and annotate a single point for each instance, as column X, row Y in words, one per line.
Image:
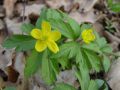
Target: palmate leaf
column 102, row 45
column 68, row 26
column 106, row 63
column 20, row 42
column 55, row 66
column 93, row 59
column 92, row 46
column 93, row 85
column 40, row 61
column 83, row 72
column 83, row 76
column 63, row 27
column 47, row 70
column 64, row 62
column 74, row 25
column 107, row 49
column 63, row 86
column 68, row 49
column 53, row 14
column 27, row 27
column 33, row 63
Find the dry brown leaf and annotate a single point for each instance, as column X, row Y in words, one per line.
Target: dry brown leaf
column 68, row 77
column 12, row 74
column 9, row 7
column 5, row 57
column 56, row 4
column 84, row 17
column 113, row 77
column 86, row 5
column 34, row 8
column 14, row 27
column 19, row 63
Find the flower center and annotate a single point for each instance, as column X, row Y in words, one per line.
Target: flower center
column 44, row 38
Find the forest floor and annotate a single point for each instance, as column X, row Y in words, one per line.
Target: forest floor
column 13, row 13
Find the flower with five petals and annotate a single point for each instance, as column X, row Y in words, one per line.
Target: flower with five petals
column 46, row 38
column 88, row 36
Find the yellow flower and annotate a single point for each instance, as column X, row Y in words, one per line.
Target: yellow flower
column 88, row 36
column 46, row 38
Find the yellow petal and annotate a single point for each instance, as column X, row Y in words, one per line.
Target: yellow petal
column 55, row 35
column 88, row 36
column 52, row 46
column 36, row 33
column 46, row 27
column 86, row 41
column 40, row 46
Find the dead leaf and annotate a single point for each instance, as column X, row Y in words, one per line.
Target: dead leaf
column 84, row 17
column 5, row 57
column 9, row 7
column 113, row 77
column 19, row 63
column 34, row 8
column 12, row 74
column 86, row 5
column 68, row 77
column 56, row 4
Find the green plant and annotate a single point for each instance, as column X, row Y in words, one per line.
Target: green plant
column 84, row 53
column 10, row 88
column 115, row 7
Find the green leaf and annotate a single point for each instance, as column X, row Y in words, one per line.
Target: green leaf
column 103, row 46
column 21, row 42
column 10, row 88
column 110, row 2
column 105, row 87
column 64, row 61
column 68, row 49
column 101, row 42
column 83, row 73
column 82, row 58
column 83, row 76
column 33, row 63
column 27, row 27
column 94, row 60
column 93, row 85
column 92, row 46
column 41, row 18
column 47, row 73
column 106, row 63
column 74, row 25
column 53, row 14
column 107, row 49
column 63, row 86
column 115, row 7
column 63, row 27
column 55, row 66
column 100, row 83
